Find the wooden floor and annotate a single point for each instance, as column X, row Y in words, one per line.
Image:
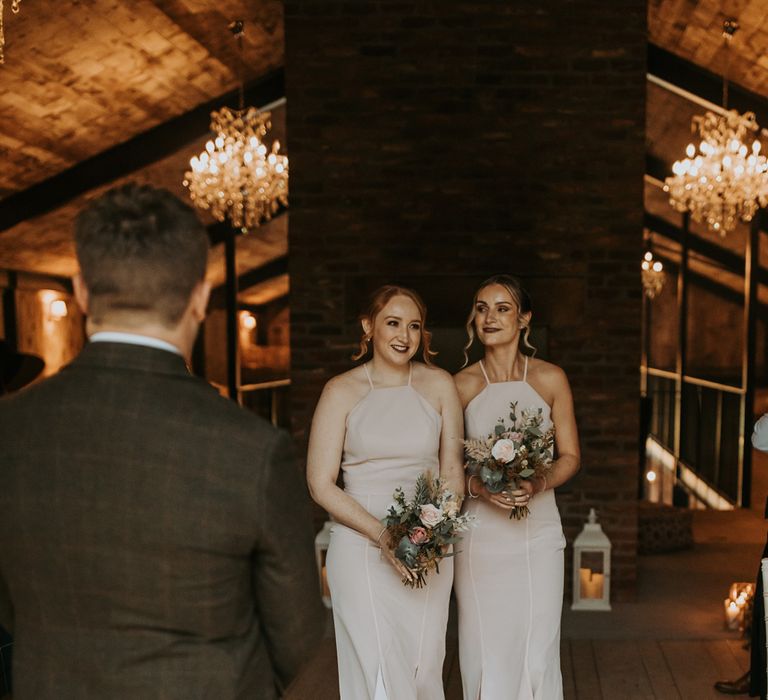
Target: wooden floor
column 592, row 670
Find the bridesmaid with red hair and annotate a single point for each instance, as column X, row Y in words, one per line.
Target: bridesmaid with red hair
column 384, row 423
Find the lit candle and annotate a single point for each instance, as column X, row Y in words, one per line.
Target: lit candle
column 591, row 584
column 326, row 590
column 732, row 614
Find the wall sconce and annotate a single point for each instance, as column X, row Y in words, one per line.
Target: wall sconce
column 53, row 307
column 247, row 320
column 57, row 310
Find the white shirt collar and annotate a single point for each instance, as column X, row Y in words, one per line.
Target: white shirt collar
column 133, row 339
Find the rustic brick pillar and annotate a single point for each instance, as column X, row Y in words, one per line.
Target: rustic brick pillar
column 436, row 143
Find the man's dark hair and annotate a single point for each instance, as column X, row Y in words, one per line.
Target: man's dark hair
column 141, row 253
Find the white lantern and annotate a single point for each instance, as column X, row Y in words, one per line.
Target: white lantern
column 322, row 540
column 591, row 567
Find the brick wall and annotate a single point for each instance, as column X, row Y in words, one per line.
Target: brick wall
column 435, row 143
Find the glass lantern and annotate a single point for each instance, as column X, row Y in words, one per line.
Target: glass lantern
column 591, row 567
column 322, row 540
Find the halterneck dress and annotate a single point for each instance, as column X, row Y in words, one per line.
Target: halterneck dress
column 390, row 639
column 509, row 576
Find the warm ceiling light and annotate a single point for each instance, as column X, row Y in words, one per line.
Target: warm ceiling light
column 236, row 177
column 248, row 321
column 652, row 272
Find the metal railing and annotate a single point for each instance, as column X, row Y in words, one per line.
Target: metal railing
column 700, row 422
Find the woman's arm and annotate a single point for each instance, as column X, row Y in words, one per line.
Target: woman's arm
column 451, row 437
column 326, row 443
column 568, row 459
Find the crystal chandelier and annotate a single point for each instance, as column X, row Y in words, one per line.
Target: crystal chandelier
column 236, row 177
column 652, row 275
column 15, row 7
column 724, row 181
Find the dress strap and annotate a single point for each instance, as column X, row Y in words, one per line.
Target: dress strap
column 368, row 374
column 485, row 374
column 410, row 372
column 525, row 370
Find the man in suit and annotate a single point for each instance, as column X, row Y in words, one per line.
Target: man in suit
column 16, row 370
column 156, row 538
column 753, row 682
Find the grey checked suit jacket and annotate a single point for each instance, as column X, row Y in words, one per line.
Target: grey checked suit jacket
column 155, row 539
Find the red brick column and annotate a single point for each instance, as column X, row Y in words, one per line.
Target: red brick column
column 439, row 142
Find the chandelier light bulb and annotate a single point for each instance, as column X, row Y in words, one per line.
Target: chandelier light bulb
column 690, row 150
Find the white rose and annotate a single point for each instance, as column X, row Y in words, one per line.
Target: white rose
column 430, row 515
column 504, row 451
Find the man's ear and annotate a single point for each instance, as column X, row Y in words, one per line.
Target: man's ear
column 81, row 292
column 199, row 302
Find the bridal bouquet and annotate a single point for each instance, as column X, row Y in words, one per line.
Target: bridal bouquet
column 425, row 526
column 511, row 453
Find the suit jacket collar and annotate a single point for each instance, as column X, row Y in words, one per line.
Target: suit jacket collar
column 131, row 357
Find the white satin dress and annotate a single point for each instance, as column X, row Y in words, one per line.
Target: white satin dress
column 509, row 577
column 390, row 639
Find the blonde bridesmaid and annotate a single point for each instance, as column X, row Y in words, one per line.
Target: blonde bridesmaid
column 509, row 573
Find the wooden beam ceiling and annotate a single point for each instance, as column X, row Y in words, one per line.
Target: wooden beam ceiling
column 132, row 155
column 272, row 269
column 704, row 84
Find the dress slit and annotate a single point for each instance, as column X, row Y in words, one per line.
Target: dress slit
column 380, row 691
column 421, row 635
column 479, row 619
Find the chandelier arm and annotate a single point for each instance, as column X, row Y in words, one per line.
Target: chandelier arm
column 2, row 35
column 241, row 71
column 727, row 42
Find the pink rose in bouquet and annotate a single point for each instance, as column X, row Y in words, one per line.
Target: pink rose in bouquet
column 418, row 535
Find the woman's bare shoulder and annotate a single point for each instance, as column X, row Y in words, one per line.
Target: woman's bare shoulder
column 546, row 371
column 432, row 376
column 548, row 378
column 469, row 382
column 347, row 388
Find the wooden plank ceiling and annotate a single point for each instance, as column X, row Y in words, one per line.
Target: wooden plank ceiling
column 89, row 76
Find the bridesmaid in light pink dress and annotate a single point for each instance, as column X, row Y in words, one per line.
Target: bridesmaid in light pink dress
column 509, row 573
column 384, row 423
